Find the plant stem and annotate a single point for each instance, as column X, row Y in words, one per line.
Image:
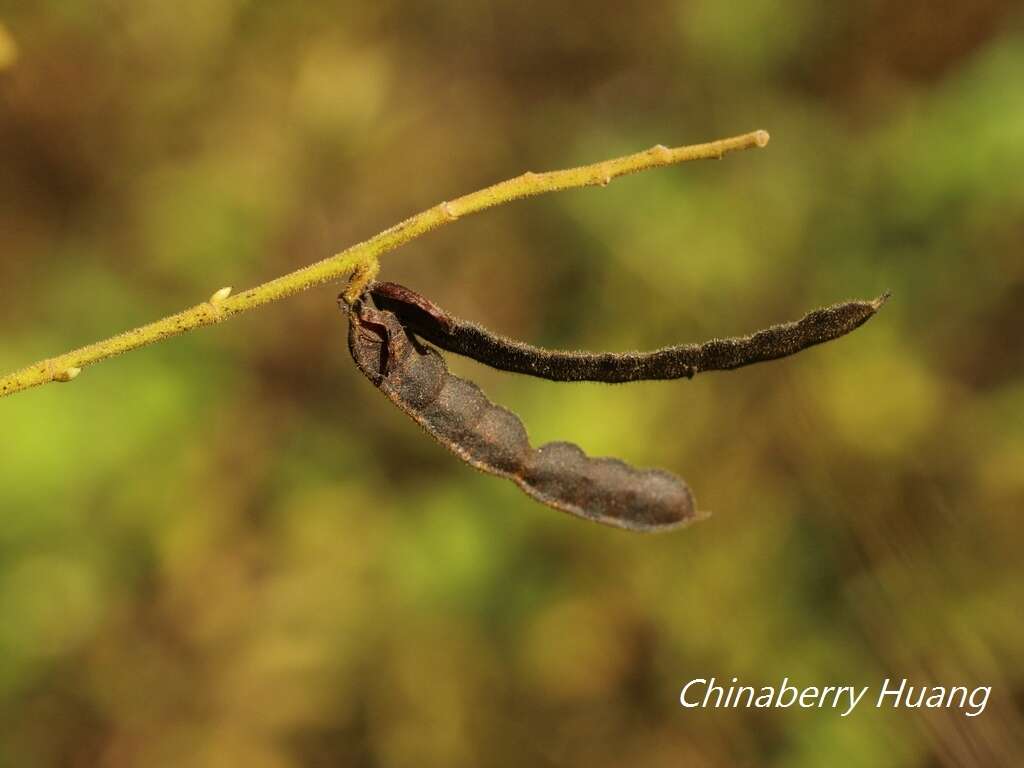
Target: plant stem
column 362, row 259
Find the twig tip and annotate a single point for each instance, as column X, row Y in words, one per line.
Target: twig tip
column 761, row 138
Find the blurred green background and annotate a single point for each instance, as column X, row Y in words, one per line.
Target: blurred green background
column 228, row 549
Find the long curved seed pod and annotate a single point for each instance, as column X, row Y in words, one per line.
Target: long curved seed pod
column 458, row 415
column 433, row 324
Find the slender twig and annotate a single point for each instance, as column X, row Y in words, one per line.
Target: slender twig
column 361, row 259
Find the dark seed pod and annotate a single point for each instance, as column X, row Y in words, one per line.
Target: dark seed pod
column 457, row 414
column 433, row 324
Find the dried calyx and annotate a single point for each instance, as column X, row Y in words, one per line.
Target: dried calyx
column 387, row 344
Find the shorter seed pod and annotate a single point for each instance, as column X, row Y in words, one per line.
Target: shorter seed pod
column 415, row 377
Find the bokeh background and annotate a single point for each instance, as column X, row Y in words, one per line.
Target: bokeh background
column 228, row 549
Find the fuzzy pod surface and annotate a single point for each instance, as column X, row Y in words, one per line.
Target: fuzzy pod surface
column 439, row 327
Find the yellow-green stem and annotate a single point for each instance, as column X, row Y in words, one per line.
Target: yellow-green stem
column 361, row 259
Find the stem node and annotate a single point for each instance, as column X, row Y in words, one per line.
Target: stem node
column 220, row 295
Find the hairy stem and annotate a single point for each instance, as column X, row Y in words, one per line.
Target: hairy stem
column 361, row 259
